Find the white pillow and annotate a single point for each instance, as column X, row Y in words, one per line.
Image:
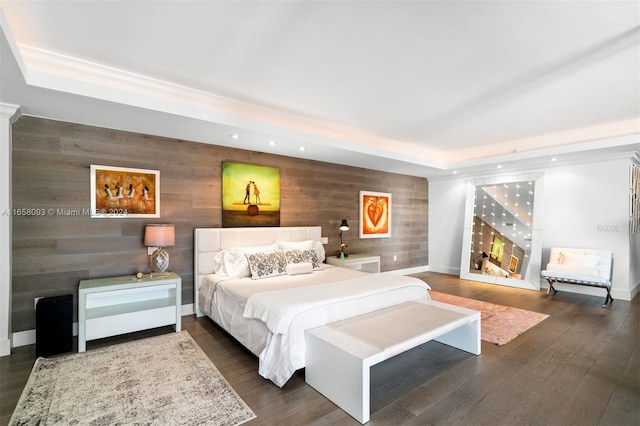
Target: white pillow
column 257, row 249
column 300, row 245
column 233, row 262
column 580, row 260
column 299, row 268
column 590, row 271
column 218, row 263
column 236, row 264
column 319, row 248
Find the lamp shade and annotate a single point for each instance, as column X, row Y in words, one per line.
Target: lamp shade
column 159, row 235
column 344, row 226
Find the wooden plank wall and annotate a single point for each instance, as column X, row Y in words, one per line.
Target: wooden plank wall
column 51, row 160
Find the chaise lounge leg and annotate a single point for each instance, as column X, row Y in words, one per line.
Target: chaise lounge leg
column 551, row 288
column 608, row 299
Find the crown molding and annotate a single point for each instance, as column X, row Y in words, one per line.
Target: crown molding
column 10, row 111
column 558, row 140
column 55, row 71
column 50, row 70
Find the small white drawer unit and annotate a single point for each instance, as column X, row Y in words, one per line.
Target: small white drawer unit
column 118, row 305
column 358, row 261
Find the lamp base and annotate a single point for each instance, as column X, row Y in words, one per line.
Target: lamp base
column 159, row 260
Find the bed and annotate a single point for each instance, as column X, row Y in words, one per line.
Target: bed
column 285, row 290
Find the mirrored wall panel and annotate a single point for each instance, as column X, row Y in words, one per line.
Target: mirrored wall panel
column 502, row 236
column 501, row 229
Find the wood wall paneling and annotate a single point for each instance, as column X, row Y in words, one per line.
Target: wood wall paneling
column 51, row 160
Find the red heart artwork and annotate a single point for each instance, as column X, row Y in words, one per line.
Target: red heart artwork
column 375, row 210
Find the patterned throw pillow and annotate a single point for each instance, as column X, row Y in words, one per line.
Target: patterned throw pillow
column 304, row 245
column 303, row 256
column 265, row 265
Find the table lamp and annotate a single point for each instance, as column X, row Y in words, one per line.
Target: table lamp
column 159, row 236
column 344, row 226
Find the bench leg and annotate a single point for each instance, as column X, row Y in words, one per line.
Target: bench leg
column 465, row 338
column 339, row 376
column 607, row 299
column 551, row 287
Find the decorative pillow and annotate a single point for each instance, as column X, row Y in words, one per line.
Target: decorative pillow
column 580, row 260
column 267, row 264
column 303, row 256
column 299, row 268
column 304, row 245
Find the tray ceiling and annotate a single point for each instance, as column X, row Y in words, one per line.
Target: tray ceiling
column 420, row 87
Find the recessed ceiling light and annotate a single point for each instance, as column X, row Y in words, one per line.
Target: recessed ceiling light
column 499, row 166
column 234, row 136
column 272, row 142
column 554, row 159
column 302, row 148
column 455, row 172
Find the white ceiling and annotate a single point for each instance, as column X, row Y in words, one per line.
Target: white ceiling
column 414, row 87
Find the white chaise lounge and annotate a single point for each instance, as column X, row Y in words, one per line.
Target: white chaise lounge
column 588, row 267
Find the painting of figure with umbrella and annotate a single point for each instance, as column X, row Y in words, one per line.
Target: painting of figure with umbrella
column 250, row 195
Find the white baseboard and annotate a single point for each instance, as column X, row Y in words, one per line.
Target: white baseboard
column 186, row 310
column 409, row 271
column 28, row 337
column 634, row 291
column 444, row 270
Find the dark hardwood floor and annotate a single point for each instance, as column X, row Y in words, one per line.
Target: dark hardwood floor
column 580, row 366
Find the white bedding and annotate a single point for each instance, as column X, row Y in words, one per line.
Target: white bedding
column 241, row 306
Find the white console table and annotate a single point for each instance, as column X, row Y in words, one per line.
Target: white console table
column 358, row 261
column 118, row 305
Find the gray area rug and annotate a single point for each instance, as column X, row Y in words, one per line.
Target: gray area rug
column 163, row 380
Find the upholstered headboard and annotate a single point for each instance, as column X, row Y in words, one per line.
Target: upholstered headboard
column 208, row 241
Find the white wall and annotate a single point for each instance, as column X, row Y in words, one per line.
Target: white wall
column 8, row 114
column 588, row 206
column 446, row 220
column 585, row 205
column 634, row 278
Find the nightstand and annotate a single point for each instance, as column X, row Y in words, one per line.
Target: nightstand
column 358, row 261
column 118, row 305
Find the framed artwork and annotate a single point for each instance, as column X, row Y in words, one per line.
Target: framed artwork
column 118, row 192
column 497, row 251
column 375, row 214
column 250, row 195
column 513, row 264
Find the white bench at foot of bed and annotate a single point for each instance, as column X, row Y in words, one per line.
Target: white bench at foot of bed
column 339, row 355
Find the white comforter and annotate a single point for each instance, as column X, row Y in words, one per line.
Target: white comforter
column 286, row 310
column 278, row 309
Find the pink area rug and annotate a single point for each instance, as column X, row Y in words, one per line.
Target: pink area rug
column 499, row 324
